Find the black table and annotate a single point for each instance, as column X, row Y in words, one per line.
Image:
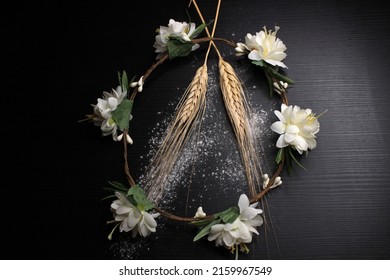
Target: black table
column 61, row 58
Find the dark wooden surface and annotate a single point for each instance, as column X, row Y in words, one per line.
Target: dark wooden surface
column 59, row 58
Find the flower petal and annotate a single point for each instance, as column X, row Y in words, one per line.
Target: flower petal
column 289, row 138
column 215, row 232
column 245, row 234
column 195, row 47
column 280, row 116
column 133, row 219
column 235, row 232
column 278, row 127
column 217, row 228
column 143, row 230
column 228, row 239
column 312, row 143
column 301, row 144
column 255, row 222
column 255, row 55
column 123, row 226
column 276, row 63
column 254, row 205
column 243, row 202
column 149, row 220
column 249, row 213
column 112, row 102
column 292, row 129
column 115, row 204
column 123, row 210
column 123, row 198
column 281, row 143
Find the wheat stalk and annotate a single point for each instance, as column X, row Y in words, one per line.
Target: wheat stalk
column 239, row 113
column 188, row 116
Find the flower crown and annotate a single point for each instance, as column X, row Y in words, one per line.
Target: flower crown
column 135, row 208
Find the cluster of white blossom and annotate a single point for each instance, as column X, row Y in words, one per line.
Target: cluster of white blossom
column 103, row 112
column 175, row 29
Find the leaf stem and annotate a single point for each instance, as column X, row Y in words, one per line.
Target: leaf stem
column 127, row 169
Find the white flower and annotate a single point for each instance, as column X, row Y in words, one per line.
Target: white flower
column 181, row 30
column 241, row 230
column 297, row 128
column 131, row 218
column 249, row 214
column 230, row 234
column 110, row 101
column 104, row 108
column 264, row 46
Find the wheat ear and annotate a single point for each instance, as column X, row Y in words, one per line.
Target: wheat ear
column 188, row 116
column 238, row 112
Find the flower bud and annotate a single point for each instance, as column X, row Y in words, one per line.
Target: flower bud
column 277, row 182
column 141, row 81
column 128, row 139
column 276, row 85
column 199, row 213
column 277, row 91
column 119, row 138
column 265, row 180
column 240, row 47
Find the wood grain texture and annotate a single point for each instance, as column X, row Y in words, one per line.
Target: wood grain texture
column 338, row 54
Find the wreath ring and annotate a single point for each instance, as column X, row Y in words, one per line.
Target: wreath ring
column 135, row 209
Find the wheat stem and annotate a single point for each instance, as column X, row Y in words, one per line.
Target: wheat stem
column 238, row 112
column 188, row 116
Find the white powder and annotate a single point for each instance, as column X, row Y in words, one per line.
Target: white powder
column 127, row 248
column 214, row 163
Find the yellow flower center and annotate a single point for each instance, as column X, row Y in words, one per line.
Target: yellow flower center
column 111, row 122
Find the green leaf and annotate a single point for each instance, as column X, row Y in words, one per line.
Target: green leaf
column 260, row 63
column 125, row 81
column 270, row 84
column 203, row 222
column 281, row 77
column 118, row 186
column 279, row 155
column 177, row 48
column 122, row 114
column 263, row 64
column 198, row 30
column 109, row 196
column 110, row 189
column 119, row 78
column 206, row 229
column 293, row 157
column 229, row 215
column 137, row 194
column 269, row 68
column 288, row 162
